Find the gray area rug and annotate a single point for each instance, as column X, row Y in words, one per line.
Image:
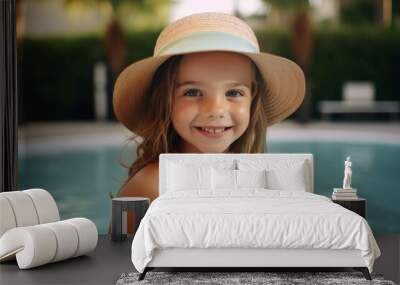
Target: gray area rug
column 330, row 278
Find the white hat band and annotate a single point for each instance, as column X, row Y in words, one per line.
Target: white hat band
column 206, row 41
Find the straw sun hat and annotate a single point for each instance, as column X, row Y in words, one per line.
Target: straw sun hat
column 210, row 31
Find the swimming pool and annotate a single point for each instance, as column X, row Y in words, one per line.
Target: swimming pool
column 80, row 180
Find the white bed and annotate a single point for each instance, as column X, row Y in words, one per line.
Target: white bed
column 198, row 223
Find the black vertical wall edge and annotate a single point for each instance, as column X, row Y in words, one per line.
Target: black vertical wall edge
column 8, row 97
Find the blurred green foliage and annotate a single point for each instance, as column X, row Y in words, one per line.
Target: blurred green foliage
column 55, row 77
column 56, row 74
column 358, row 12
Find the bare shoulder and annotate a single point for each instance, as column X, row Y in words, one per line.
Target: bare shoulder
column 147, row 173
column 143, row 183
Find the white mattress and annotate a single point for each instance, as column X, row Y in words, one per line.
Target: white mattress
column 251, row 218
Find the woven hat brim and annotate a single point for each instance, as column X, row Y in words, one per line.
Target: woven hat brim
column 131, row 84
column 285, row 83
column 284, row 78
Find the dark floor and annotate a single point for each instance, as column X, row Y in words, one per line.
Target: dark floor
column 106, row 264
column 388, row 263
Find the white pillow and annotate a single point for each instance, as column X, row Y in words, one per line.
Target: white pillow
column 281, row 174
column 293, row 179
column 236, row 179
column 251, row 178
column 182, row 178
column 223, row 179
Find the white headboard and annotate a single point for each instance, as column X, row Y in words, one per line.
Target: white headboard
column 214, row 158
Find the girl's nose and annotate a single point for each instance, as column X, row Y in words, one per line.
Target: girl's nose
column 215, row 105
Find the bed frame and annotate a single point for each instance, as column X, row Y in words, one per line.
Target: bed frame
column 243, row 259
column 246, row 259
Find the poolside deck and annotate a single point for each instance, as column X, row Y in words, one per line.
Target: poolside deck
column 45, row 135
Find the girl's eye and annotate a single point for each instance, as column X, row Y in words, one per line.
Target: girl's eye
column 191, row 92
column 236, row 93
column 196, row 92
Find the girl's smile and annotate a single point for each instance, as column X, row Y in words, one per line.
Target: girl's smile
column 213, row 132
column 212, row 99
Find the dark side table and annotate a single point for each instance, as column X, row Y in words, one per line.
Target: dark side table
column 120, row 208
column 357, row 206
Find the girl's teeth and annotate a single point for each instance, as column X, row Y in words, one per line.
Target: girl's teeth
column 214, row 131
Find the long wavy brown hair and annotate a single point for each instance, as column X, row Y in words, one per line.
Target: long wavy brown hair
column 159, row 135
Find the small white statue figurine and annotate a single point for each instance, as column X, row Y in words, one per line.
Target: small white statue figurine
column 347, row 174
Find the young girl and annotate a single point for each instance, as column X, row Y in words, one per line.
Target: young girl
column 207, row 89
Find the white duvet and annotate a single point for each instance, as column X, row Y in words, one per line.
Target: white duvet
column 251, row 218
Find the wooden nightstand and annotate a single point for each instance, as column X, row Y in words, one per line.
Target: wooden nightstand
column 358, row 206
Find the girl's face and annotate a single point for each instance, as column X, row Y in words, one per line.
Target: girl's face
column 212, row 99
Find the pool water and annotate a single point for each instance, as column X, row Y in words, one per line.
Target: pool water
column 80, row 180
